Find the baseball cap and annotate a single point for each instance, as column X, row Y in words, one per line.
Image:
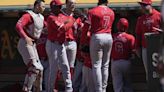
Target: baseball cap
column 55, row 2
column 146, row 2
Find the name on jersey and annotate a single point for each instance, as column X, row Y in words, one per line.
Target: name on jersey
column 148, row 21
column 120, row 38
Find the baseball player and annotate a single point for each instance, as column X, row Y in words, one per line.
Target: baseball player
column 122, row 50
column 70, row 44
column 101, row 18
column 43, row 57
column 58, row 23
column 29, row 27
column 145, row 23
column 77, row 76
column 87, row 77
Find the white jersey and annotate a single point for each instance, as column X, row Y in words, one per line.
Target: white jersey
column 36, row 28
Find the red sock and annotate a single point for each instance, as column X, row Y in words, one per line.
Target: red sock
column 57, row 78
column 72, row 72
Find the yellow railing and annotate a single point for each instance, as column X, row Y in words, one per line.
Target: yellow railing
column 29, row 2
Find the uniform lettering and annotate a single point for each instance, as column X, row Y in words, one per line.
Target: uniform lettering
column 154, row 58
column 106, row 21
column 119, row 47
column 6, row 51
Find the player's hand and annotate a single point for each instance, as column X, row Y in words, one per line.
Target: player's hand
column 29, row 41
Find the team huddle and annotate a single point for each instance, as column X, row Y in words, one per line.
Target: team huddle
column 80, row 46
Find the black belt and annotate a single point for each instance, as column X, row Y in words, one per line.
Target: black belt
column 56, row 42
column 43, row 58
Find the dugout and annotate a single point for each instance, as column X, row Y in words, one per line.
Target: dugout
column 12, row 69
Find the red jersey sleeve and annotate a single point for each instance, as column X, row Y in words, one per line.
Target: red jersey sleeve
column 138, row 31
column 22, row 23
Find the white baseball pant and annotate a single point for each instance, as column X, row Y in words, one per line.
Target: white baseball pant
column 71, row 49
column 120, row 70
column 77, row 77
column 30, row 57
column 144, row 59
column 87, row 80
column 57, row 58
column 100, row 50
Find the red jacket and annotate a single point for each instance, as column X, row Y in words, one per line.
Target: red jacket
column 145, row 24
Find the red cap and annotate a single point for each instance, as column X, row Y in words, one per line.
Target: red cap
column 55, row 2
column 148, row 2
column 122, row 25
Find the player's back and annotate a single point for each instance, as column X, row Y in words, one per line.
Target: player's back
column 123, row 44
column 101, row 18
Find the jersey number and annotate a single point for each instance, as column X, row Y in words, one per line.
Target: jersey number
column 119, row 47
column 106, row 21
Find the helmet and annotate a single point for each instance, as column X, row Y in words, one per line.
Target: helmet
column 122, row 25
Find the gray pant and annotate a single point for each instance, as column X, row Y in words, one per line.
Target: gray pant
column 31, row 59
column 100, row 50
column 45, row 73
column 144, row 59
column 57, row 58
column 71, row 49
column 87, row 80
column 77, row 77
column 120, row 70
